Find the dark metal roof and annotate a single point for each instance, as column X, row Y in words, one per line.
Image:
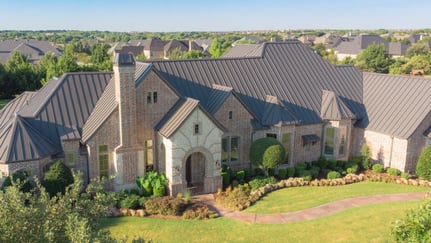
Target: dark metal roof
column 58, row 110
column 290, row 71
column 275, row 113
column 217, row 97
column 333, row 108
column 396, row 105
column 124, row 59
column 397, row 48
column 34, row 49
column 20, row 141
column 360, row 43
column 9, row 111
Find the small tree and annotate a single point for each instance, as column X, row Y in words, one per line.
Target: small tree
column 20, row 177
column 267, row 153
column 423, row 168
column 57, row 178
column 366, row 156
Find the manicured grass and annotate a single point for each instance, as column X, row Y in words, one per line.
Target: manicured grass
column 370, row 223
column 297, row 198
column 3, row 103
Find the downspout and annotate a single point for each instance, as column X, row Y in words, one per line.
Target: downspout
column 392, row 147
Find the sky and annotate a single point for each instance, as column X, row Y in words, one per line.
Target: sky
column 215, row 15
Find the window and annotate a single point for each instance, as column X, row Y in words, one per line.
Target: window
column 342, row 141
column 149, row 159
column 151, row 97
column 286, row 140
column 230, row 115
column 230, row 150
column 329, row 140
column 70, row 159
column 196, row 129
column 103, row 161
column 271, row 135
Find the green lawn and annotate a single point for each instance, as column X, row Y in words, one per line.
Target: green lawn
column 297, row 198
column 3, row 103
column 364, row 224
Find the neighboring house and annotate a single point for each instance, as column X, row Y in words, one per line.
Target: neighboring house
column 186, row 117
column 251, row 38
column 205, row 44
column 397, row 49
column 155, row 49
column 32, row 49
column 307, row 39
column 360, row 43
column 330, row 41
column 398, row 124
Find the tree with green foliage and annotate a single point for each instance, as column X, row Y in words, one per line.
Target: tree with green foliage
column 267, row 153
column 417, row 63
column 193, row 54
column 48, row 66
column 20, row 177
column 72, row 217
column 417, row 50
column 216, row 48
column 66, row 62
column 22, row 74
column 416, row 226
column 374, row 59
column 57, row 178
column 423, row 167
column 366, row 156
column 397, row 66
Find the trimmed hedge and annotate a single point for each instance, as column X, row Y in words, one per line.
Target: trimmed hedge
column 333, row 175
column 423, row 168
column 57, row 178
column 393, row 171
column 378, row 168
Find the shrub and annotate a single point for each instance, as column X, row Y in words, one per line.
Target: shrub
column 290, row 172
column 332, row 164
column 405, row 175
column 357, row 160
column 353, row 169
column 165, row 206
column 393, row 171
column 333, row 175
column 240, row 176
column 378, row 168
column 282, row 173
column 322, row 162
column 302, row 166
column 132, row 202
column 349, row 164
column 260, row 181
column 152, row 183
column 314, row 171
column 235, row 199
column 366, row 156
column 415, row 227
column 423, row 168
column 267, row 153
column 57, row 178
column 200, row 211
column 306, row 174
column 341, row 163
column 258, row 172
column 22, row 177
column 226, row 179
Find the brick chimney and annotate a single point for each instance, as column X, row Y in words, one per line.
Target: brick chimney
column 125, row 94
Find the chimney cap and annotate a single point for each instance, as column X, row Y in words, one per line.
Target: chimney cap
column 124, row 59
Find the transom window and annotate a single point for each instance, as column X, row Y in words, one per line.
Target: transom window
column 230, row 149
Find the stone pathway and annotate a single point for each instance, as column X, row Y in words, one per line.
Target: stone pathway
column 310, row 213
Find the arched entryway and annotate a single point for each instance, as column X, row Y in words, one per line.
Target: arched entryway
column 195, row 172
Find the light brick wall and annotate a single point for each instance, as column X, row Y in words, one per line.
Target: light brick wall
column 239, row 125
column 416, row 144
column 388, row 150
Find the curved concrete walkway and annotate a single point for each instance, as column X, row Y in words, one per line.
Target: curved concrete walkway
column 309, row 213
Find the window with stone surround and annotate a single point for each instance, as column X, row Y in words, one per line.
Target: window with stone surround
column 103, row 161
column 197, row 128
column 230, row 149
column 149, row 156
column 271, row 135
column 152, row 97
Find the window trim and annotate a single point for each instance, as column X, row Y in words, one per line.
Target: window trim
column 228, row 151
column 325, row 141
column 103, row 156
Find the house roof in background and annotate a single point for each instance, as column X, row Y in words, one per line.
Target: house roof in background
column 397, row 48
column 396, row 104
column 360, row 43
column 34, row 49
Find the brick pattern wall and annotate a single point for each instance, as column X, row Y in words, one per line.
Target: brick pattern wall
column 416, row 143
column 239, row 125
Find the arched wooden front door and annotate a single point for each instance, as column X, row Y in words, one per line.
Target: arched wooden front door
column 195, row 171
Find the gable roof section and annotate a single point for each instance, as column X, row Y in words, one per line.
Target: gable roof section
column 290, row 71
column 178, row 114
column 20, row 141
column 333, row 108
column 276, row 113
column 397, row 48
column 396, row 105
